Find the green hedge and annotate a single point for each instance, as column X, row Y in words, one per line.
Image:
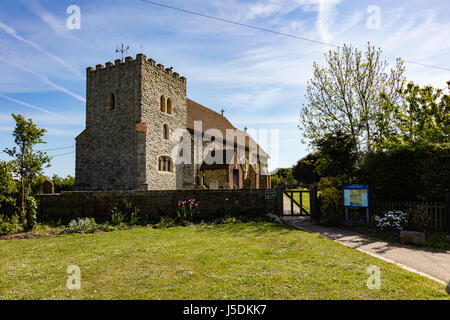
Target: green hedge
column 420, row 174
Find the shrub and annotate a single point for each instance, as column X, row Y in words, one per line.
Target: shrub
column 274, row 218
column 10, row 225
column 83, row 225
column 166, row 222
column 125, row 213
column 148, row 219
column 117, row 217
column 330, row 200
column 228, row 220
column 419, row 219
column 187, row 209
column 392, row 221
column 30, row 217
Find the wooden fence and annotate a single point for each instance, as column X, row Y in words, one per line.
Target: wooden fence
column 436, row 210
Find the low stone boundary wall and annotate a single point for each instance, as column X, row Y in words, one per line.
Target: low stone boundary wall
column 98, row 204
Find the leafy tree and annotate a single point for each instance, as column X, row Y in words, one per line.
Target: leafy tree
column 283, row 175
column 345, row 95
column 275, row 180
column 37, row 184
column 7, row 184
column 27, row 163
column 305, row 169
column 336, row 155
column 421, row 118
column 63, row 184
column 421, row 173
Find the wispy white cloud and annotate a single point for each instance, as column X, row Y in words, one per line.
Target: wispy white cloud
column 266, row 120
column 253, row 101
column 28, row 105
column 326, row 15
column 272, row 7
column 56, row 24
column 13, row 33
column 47, row 81
column 68, row 118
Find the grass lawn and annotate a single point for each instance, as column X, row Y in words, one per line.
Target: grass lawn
column 232, row 261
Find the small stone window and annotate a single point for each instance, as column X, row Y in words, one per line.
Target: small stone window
column 165, row 131
column 111, row 101
column 163, row 104
column 165, row 164
column 169, row 106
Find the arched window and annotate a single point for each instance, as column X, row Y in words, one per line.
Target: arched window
column 165, row 164
column 169, row 106
column 111, row 101
column 165, row 131
column 163, row 104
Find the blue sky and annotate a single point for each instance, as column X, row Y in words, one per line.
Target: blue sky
column 258, row 78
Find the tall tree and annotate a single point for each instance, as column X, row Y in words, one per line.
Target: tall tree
column 305, row 169
column 27, row 163
column 336, row 155
column 421, row 118
column 345, row 95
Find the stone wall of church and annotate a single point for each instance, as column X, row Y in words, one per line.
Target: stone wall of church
column 106, row 149
column 120, row 148
column 159, row 81
column 123, row 140
column 217, row 179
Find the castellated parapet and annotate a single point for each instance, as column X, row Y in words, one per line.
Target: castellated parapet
column 123, row 140
column 140, row 58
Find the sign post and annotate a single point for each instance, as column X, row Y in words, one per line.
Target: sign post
column 356, row 196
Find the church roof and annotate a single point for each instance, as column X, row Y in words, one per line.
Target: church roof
column 213, row 120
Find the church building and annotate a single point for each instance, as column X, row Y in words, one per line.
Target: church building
column 143, row 133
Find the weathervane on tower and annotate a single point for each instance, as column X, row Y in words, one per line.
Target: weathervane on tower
column 122, row 50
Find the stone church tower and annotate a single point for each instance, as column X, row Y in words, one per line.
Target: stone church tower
column 133, row 109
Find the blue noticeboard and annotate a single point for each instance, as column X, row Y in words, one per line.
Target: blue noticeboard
column 355, row 196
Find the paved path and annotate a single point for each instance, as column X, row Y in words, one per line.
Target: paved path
column 434, row 264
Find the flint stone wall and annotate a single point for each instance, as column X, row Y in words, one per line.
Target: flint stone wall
column 69, row 205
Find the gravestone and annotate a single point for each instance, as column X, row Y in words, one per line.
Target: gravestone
column 48, row 187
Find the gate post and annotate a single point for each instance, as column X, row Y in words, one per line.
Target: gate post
column 279, row 200
column 314, row 205
column 447, row 212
